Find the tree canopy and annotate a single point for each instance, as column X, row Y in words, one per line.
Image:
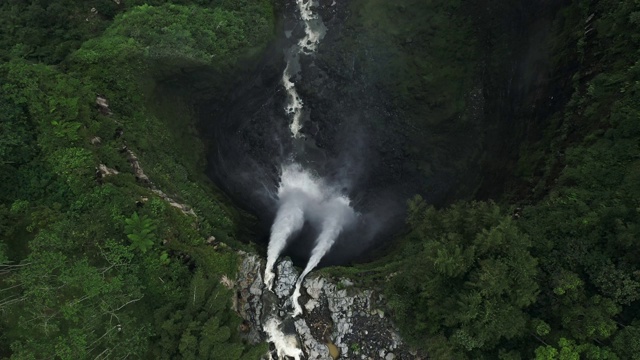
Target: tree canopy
column 94, row 262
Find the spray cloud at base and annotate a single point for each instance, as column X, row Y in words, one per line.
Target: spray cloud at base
column 305, row 198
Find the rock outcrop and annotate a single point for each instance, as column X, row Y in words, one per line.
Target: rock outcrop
column 337, row 315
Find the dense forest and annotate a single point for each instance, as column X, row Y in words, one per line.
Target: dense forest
column 96, row 263
column 114, row 243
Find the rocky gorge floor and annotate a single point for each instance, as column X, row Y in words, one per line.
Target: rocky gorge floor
column 339, row 320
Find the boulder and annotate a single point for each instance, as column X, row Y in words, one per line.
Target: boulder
column 350, row 319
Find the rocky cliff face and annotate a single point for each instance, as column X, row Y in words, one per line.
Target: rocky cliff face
column 339, row 320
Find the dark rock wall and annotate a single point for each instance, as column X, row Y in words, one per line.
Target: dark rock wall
column 523, row 88
column 400, row 99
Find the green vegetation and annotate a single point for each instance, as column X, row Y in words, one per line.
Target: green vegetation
column 64, row 25
column 96, row 264
column 93, row 262
column 559, row 279
column 200, row 326
column 140, row 231
column 472, row 278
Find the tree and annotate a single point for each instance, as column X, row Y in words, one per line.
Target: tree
column 71, row 285
column 199, row 325
column 627, row 342
column 469, row 277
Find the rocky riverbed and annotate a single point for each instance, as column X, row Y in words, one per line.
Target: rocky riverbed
column 339, row 320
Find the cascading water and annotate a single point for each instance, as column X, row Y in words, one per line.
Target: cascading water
column 286, row 345
column 298, row 191
column 302, row 197
column 314, row 31
column 337, row 213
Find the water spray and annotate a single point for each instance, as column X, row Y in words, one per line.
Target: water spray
column 289, row 220
column 338, row 214
column 297, row 192
column 286, row 345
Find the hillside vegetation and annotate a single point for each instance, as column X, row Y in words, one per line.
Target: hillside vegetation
column 95, row 264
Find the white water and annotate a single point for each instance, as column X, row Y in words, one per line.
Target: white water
column 296, row 186
column 314, row 31
column 301, row 196
column 294, row 107
column 304, row 197
column 286, row 345
column 313, row 28
column 289, row 220
column 339, row 213
column 297, row 191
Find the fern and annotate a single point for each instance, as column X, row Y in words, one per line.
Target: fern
column 140, row 230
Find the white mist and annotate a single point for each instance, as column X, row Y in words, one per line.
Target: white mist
column 298, row 191
column 337, row 213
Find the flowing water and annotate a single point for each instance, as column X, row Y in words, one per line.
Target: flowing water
column 302, row 197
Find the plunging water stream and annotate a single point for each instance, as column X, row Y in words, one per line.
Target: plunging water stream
column 302, row 197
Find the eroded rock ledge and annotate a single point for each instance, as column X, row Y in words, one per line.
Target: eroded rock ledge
column 339, row 320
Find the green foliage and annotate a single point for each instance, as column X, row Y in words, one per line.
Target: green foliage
column 140, row 230
column 190, row 33
column 627, row 342
column 73, row 284
column 70, row 305
column 64, row 25
column 561, row 282
column 470, row 280
column 575, row 288
column 144, row 47
column 74, row 166
column 199, row 326
column 17, row 145
column 3, row 256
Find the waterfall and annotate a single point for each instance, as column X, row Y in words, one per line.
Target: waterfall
column 290, row 215
column 302, row 196
column 314, row 31
column 298, row 190
column 337, row 214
